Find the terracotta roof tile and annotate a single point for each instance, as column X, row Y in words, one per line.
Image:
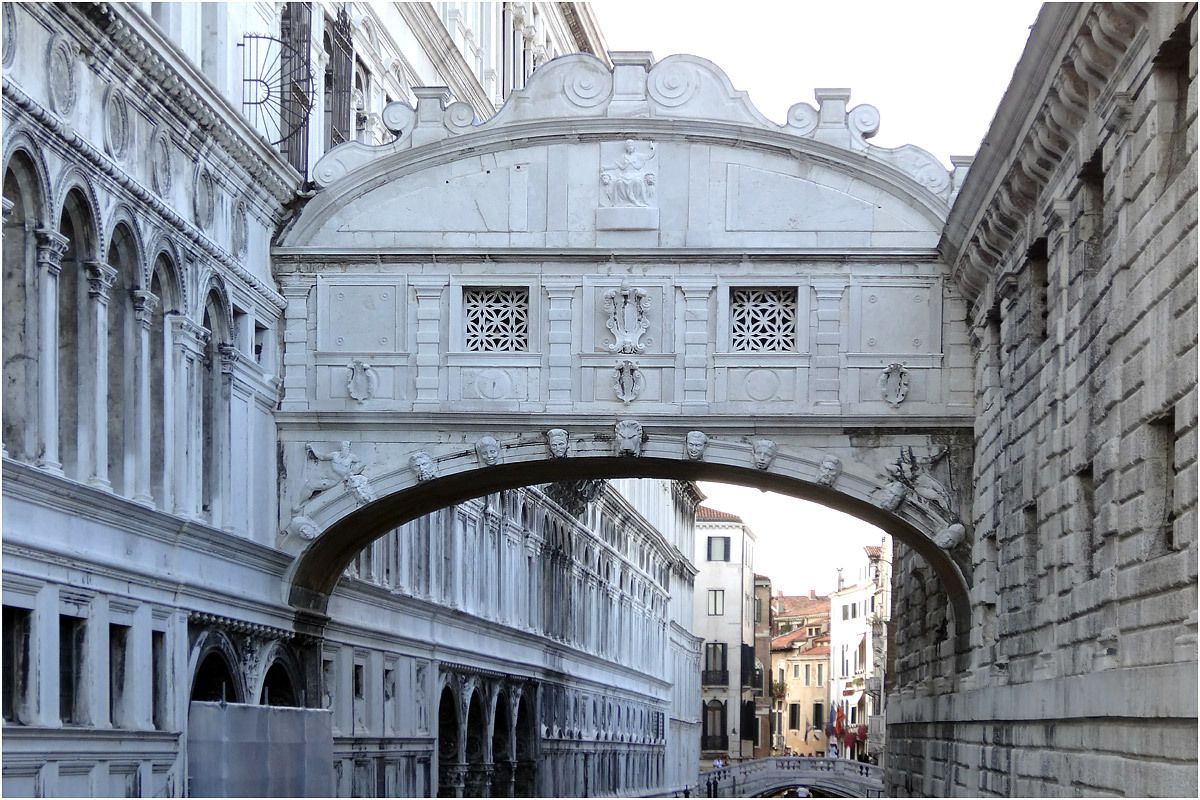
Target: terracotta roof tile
column 873, row 551
column 706, row 514
column 800, row 606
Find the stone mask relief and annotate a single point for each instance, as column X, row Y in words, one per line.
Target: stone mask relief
column 487, row 450
column 422, row 465
column 830, row 469
column 629, row 437
column 556, row 441
column 764, row 451
column 694, row 444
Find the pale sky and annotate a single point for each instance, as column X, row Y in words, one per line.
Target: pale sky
column 935, row 71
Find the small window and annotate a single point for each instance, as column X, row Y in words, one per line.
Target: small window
column 496, row 320
column 795, row 670
column 16, row 663
column 808, row 674
column 794, row 716
column 716, row 602
column 820, row 674
column 360, row 681
column 819, row 716
column 845, row 612
column 854, row 611
column 718, row 548
column 763, row 320
column 158, row 680
column 70, row 669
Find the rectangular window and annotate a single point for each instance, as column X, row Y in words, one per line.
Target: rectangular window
column 820, row 674
column 118, row 651
column 16, row 663
column 718, row 548
column 872, row 604
column 1160, row 491
column 853, row 715
column 762, row 320
column 70, row 669
column 845, row 612
column 757, row 611
column 818, row 716
column 496, row 320
column 716, row 602
column 360, row 681
column 794, row 716
column 158, row 668
column 715, row 654
column 808, row 674
column 795, row 670
column 854, row 611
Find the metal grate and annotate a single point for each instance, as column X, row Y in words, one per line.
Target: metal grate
column 276, row 87
column 497, row 320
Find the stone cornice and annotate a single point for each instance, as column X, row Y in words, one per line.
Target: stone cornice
column 1046, row 113
column 185, row 89
column 290, row 262
column 445, row 55
column 585, row 29
column 102, row 165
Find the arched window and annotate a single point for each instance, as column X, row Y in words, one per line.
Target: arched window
column 447, row 742
column 164, row 287
column 122, row 354
column 278, row 689
column 20, row 292
column 78, row 226
column 214, row 414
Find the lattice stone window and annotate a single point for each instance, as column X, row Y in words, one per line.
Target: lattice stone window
column 762, row 320
column 497, row 320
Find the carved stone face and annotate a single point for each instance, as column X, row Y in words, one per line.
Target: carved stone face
column 629, row 437
column 949, row 537
column 556, row 440
column 764, row 452
column 694, row 445
column 831, row 467
column 422, row 464
column 488, row 451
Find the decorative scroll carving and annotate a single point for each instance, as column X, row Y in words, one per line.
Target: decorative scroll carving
column 363, row 381
column 893, row 384
column 627, row 308
column 629, row 437
column 694, row 444
column 487, row 450
column 831, row 468
column 628, row 381
column 556, row 441
column 629, row 181
column 764, row 451
column 422, row 465
column 332, row 468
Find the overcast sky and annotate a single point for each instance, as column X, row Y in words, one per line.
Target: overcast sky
column 935, row 71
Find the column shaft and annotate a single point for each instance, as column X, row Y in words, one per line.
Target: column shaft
column 51, row 248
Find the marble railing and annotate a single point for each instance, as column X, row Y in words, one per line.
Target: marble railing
column 838, row 776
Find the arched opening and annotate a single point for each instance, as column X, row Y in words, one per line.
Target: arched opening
column 21, row 202
column 214, row 414
column 450, row 774
column 78, row 226
column 163, row 289
column 278, row 689
column 122, row 345
column 525, row 748
column 214, row 680
column 503, row 755
column 476, row 751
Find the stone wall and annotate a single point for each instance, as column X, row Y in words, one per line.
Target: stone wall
column 1075, row 237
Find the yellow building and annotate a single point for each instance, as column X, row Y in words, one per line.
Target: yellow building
column 800, row 676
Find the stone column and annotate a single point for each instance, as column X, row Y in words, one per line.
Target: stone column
column 559, row 355
column 144, row 306
column 100, row 277
column 51, row 248
column 94, row 672
column 696, row 339
column 430, row 290
column 44, row 659
column 139, row 662
column 222, row 422
column 6, row 207
column 825, row 374
column 188, row 341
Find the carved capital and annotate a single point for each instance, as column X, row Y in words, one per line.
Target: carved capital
column 51, row 247
column 100, row 277
column 8, row 206
column 230, row 356
column 189, row 336
column 144, row 305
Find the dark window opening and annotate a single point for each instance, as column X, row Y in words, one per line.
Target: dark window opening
column 118, row 655
column 158, row 668
column 70, row 669
column 277, row 687
column 214, row 681
column 16, row 663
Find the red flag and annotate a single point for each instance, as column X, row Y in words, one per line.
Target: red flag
column 837, row 726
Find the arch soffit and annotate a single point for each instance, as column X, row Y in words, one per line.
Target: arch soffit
column 277, row 652
column 123, row 215
column 346, row 527
column 216, row 287
column 172, row 276
column 20, row 143
column 74, row 179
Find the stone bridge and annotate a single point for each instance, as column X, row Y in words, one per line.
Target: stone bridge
column 623, row 273
column 839, row 777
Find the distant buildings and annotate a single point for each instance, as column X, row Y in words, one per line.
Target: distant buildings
column 800, row 675
column 725, row 592
column 762, row 666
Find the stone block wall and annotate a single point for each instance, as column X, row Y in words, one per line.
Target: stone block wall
column 1078, row 228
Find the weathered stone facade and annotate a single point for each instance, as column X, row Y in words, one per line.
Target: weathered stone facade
column 1074, row 238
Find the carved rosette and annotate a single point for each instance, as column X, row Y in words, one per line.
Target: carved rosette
column 893, row 384
column 628, row 381
column 62, row 58
column 627, row 310
column 116, row 122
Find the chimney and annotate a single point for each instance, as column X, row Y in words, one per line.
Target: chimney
column 779, row 593
column 812, row 594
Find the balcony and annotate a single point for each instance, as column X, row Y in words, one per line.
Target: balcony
column 714, row 742
column 714, row 677
column 756, row 681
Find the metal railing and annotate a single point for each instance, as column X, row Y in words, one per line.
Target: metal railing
column 714, row 677
column 714, row 742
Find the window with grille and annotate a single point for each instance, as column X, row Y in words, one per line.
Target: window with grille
column 762, row 320
column 496, row 319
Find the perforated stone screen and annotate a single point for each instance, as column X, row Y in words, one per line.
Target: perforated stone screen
column 496, row 319
column 762, row 320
